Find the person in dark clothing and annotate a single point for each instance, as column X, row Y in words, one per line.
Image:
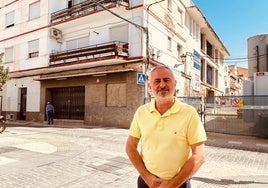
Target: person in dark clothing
column 50, row 110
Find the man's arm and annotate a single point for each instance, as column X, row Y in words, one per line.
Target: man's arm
column 190, row 167
column 135, row 158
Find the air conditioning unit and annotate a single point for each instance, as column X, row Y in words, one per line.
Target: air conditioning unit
column 55, row 33
column 10, row 116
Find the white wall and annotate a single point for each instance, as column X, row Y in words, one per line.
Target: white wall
column 260, row 83
column 12, row 102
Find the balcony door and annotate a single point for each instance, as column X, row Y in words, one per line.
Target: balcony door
column 77, row 43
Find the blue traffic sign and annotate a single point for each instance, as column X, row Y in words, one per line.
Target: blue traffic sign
column 141, row 78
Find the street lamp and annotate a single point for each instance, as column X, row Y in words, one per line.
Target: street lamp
column 184, row 56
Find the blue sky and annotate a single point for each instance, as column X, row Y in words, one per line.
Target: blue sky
column 235, row 21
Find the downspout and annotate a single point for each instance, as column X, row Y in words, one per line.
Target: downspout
column 267, row 58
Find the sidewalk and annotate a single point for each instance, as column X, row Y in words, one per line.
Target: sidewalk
column 248, row 143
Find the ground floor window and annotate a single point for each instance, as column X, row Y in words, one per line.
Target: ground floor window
column 116, row 95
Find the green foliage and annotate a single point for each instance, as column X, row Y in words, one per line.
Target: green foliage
column 3, row 73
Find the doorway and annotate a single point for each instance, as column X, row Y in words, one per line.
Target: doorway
column 69, row 102
column 23, row 101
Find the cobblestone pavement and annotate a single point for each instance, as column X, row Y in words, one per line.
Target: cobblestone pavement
column 54, row 157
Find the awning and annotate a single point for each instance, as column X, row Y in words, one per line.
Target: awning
column 101, row 73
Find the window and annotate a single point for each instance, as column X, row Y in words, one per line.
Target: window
column 222, row 58
column 209, row 75
column 34, row 10
column 169, row 47
column 10, row 19
column 194, row 30
column 209, row 49
column 9, row 55
column 191, row 26
column 33, row 48
column 117, row 95
column 216, row 56
column 180, row 16
column 77, row 43
column 217, row 76
column 202, row 42
column 169, row 5
column 202, row 75
column 179, row 50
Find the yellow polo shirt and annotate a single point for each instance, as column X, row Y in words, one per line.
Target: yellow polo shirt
column 166, row 139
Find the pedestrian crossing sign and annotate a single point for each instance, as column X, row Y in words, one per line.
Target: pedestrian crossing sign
column 141, row 78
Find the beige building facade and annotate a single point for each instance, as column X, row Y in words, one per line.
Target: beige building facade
column 90, row 58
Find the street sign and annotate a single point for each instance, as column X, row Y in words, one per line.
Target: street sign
column 141, row 78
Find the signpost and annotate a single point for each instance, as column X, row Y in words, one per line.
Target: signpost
column 141, row 78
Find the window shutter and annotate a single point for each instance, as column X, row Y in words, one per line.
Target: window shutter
column 34, row 11
column 10, row 19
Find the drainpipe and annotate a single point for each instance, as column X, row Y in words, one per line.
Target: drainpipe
column 257, row 59
column 267, row 58
column 147, row 49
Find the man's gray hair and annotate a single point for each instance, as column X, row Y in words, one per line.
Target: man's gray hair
column 160, row 67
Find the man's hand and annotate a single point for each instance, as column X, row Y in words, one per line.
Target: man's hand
column 153, row 181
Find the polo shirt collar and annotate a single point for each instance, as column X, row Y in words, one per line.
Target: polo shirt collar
column 174, row 109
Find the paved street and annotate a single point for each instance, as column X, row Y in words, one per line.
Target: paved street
column 53, row 157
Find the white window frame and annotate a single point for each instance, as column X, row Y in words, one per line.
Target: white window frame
column 169, row 43
column 33, row 48
column 179, row 50
column 180, row 17
column 10, row 19
column 77, row 43
column 169, row 5
column 34, row 10
column 9, row 55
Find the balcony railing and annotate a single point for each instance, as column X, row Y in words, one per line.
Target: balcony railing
column 83, row 8
column 90, row 53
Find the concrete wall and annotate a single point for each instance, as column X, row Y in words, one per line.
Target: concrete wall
column 257, row 51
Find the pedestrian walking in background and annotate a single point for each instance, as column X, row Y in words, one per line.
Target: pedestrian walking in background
column 171, row 134
column 50, row 110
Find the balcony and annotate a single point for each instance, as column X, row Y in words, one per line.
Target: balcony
column 90, row 53
column 81, row 9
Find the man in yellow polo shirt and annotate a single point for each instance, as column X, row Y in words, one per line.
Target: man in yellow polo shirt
column 171, row 134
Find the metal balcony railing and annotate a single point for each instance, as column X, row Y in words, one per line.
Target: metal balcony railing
column 83, row 8
column 90, row 53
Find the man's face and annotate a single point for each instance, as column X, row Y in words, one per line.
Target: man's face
column 162, row 84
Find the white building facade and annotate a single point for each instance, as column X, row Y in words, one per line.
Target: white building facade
column 90, row 58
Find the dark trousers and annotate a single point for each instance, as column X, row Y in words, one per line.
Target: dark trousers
column 50, row 117
column 142, row 184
